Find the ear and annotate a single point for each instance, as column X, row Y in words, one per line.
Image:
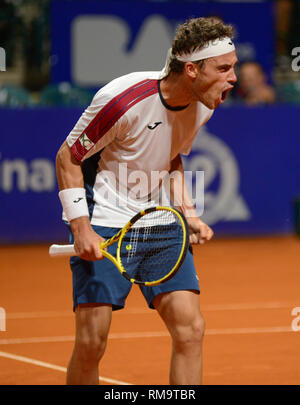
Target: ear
column 191, row 69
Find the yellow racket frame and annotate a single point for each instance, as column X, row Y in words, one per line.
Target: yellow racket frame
column 121, row 234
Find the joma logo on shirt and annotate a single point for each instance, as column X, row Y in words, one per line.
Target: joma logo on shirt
column 153, row 126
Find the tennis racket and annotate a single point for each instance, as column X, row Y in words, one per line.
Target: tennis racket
column 151, row 247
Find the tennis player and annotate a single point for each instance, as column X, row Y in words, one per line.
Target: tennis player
column 142, row 121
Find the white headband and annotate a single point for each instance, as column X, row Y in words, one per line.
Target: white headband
column 211, row 49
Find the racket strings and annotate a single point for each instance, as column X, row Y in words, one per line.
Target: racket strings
column 152, row 247
column 133, row 242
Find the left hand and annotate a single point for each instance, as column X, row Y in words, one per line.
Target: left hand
column 199, row 231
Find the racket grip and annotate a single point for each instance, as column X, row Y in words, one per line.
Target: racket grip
column 62, row 250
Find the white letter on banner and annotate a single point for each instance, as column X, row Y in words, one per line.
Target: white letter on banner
column 296, row 61
column 2, row 60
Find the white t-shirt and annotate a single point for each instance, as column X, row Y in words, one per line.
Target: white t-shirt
column 138, row 135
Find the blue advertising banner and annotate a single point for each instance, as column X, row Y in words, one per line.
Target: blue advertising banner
column 96, row 41
column 250, row 158
column 252, row 169
column 30, row 208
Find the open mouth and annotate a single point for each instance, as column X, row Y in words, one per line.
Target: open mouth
column 224, row 95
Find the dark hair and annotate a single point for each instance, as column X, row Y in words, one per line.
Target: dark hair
column 194, row 34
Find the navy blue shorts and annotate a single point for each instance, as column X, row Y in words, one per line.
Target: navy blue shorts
column 101, row 282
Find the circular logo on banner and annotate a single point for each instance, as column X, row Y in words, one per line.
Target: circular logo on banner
column 222, row 201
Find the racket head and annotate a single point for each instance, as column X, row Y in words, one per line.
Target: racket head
column 153, row 245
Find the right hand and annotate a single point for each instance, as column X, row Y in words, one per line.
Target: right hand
column 86, row 240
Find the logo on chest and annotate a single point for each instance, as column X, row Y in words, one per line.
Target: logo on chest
column 154, row 125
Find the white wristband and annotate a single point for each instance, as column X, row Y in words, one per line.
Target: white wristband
column 73, row 201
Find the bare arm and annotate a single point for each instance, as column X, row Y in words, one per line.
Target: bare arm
column 69, row 175
column 68, row 169
column 180, row 196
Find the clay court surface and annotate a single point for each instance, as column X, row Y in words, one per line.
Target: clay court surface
column 249, row 287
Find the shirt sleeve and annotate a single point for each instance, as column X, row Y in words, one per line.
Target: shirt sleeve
column 96, row 128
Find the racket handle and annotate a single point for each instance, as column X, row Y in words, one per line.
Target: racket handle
column 62, row 250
